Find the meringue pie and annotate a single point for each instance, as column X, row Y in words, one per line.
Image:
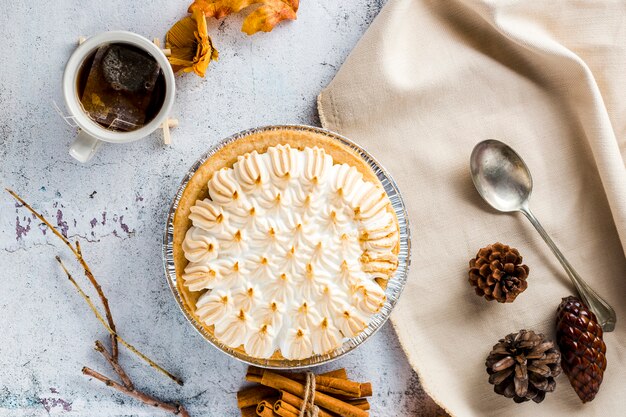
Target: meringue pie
column 283, row 243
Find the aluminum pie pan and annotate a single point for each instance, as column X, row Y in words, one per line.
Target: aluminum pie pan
column 395, row 285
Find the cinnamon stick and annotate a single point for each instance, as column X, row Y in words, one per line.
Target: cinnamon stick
column 337, row 373
column 338, row 386
column 332, row 404
column 284, row 409
column 249, row 411
column 366, row 389
column 361, row 403
column 254, row 374
column 326, row 382
column 296, row 402
column 254, row 395
column 265, row 409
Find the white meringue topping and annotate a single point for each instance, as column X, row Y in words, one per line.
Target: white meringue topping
column 286, row 251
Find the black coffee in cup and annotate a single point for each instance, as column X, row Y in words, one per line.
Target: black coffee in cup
column 121, row 87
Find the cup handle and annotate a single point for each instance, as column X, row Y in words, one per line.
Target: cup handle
column 84, row 147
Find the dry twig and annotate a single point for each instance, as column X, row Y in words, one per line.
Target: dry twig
column 127, row 385
column 115, row 365
column 79, row 256
column 145, row 398
column 106, row 326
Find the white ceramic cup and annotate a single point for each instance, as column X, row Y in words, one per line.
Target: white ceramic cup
column 92, row 134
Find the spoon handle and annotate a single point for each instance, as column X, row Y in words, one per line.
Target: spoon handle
column 604, row 312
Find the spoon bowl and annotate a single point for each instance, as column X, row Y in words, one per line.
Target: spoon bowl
column 500, row 176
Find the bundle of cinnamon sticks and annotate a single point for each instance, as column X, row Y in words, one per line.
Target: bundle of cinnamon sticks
column 282, row 394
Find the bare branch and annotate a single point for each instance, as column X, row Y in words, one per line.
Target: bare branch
column 111, row 331
column 79, row 256
column 176, row 409
column 115, row 365
column 127, row 386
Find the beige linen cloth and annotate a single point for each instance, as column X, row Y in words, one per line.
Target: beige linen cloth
column 427, row 82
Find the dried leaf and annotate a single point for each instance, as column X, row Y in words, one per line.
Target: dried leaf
column 190, row 45
column 267, row 15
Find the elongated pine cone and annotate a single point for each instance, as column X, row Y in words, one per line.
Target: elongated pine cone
column 497, row 273
column 579, row 337
column 523, row 366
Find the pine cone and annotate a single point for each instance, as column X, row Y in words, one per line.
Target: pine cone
column 523, row 366
column 579, row 337
column 497, row 273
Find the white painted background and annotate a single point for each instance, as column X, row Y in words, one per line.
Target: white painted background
column 116, row 206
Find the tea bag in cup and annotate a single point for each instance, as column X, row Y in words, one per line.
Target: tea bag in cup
column 119, row 90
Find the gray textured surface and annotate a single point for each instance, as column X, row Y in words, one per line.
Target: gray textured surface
column 116, row 206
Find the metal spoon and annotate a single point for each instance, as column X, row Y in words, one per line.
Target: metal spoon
column 503, row 180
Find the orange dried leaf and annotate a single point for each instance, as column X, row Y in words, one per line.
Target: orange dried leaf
column 267, row 15
column 190, row 45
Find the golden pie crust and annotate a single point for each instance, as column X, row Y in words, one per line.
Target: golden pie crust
column 197, row 189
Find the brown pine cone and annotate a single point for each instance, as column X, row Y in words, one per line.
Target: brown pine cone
column 497, row 273
column 579, row 337
column 523, row 366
